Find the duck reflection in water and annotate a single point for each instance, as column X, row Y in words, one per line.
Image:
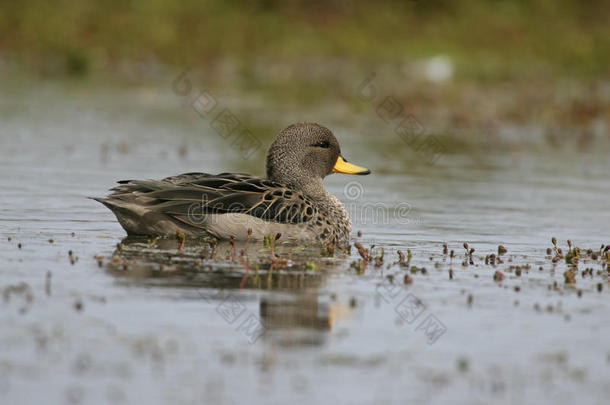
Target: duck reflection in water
column 292, row 309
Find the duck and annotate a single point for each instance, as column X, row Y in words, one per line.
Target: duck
column 290, row 201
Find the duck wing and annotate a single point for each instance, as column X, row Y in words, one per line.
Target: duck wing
column 190, row 198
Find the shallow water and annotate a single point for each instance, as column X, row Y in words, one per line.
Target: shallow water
column 188, row 329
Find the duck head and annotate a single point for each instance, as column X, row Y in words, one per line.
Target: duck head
column 303, row 154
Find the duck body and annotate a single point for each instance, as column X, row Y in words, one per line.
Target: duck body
column 291, row 201
column 226, row 205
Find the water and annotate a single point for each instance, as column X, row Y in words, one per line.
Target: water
column 188, row 329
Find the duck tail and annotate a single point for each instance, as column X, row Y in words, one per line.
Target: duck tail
column 129, row 215
column 139, row 219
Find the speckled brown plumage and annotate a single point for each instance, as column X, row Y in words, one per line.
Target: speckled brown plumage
column 291, row 201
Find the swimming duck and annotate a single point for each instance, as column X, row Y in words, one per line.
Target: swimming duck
column 291, row 201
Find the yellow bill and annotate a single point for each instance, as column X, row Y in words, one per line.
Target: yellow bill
column 342, row 166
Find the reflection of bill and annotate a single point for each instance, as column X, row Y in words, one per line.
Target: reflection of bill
column 302, row 320
column 303, row 312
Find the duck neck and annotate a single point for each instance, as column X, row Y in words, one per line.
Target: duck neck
column 315, row 190
column 311, row 187
column 328, row 203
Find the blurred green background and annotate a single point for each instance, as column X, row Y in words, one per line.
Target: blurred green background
column 487, row 39
column 470, row 71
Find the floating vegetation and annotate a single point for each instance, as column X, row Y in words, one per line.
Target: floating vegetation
column 72, row 257
column 362, row 252
column 99, row 259
column 415, row 269
column 22, row 290
column 402, row 261
column 153, row 242
column 328, row 251
column 570, row 276
column 181, row 238
column 259, row 264
column 462, row 365
column 47, row 284
column 379, row 257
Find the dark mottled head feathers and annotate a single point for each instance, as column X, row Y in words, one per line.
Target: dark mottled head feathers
column 302, row 153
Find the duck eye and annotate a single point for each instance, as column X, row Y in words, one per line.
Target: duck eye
column 321, row 144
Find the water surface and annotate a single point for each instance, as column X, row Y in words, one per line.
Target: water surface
column 192, row 329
